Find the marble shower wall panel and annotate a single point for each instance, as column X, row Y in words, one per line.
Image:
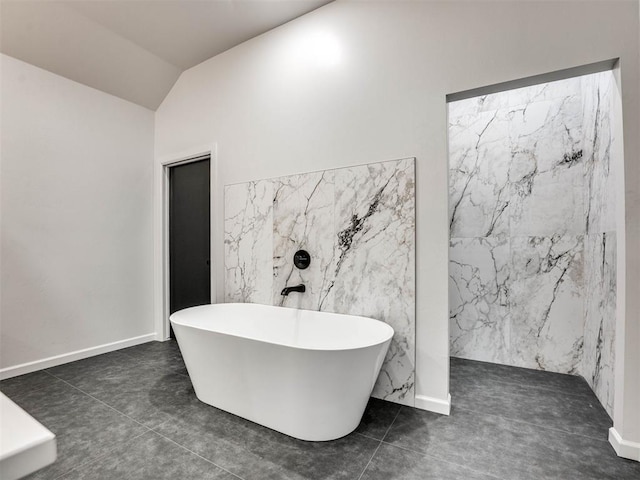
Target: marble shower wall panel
column 543, row 92
column 375, row 262
column 600, row 188
column 478, row 175
column 303, row 210
column 479, row 270
column 248, row 239
column 511, row 155
column 358, row 224
column 545, row 138
column 546, row 292
column 600, row 241
column 600, row 315
column 516, row 181
column 531, row 198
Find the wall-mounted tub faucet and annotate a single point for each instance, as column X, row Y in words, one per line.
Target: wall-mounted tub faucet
column 298, row 288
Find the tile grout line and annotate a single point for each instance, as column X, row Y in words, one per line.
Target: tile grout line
column 370, row 460
column 120, row 352
column 391, row 424
column 536, row 387
column 442, row 459
column 148, row 429
column 115, row 353
column 380, row 441
column 127, row 357
column 46, row 372
column 98, row 458
column 545, row 427
column 531, row 382
column 196, row 454
column 379, row 444
column 367, row 436
column 22, row 394
column 101, row 402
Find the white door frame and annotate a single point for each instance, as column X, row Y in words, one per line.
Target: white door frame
column 161, row 229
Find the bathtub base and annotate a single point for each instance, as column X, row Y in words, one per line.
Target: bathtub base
column 308, row 395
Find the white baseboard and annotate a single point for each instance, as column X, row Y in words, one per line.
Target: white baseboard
column 29, row 367
column 624, row 448
column 436, row 405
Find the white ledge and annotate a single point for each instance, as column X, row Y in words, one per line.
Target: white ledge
column 25, row 445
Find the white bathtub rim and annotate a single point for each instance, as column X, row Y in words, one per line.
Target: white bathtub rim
column 384, row 325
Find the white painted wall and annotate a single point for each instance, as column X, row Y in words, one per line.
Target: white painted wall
column 625, row 434
column 76, row 251
column 357, row 82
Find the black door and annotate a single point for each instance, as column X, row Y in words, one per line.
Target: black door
column 189, row 235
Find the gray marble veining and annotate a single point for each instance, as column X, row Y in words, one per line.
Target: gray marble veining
column 358, row 224
column 248, row 252
column 600, row 188
column 375, row 262
column 303, row 207
column 546, row 302
column 479, row 270
column 600, row 316
column 532, row 227
column 478, row 175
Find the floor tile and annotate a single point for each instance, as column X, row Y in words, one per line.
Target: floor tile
column 70, row 372
column 391, row 463
column 462, row 369
column 377, row 418
column 15, row 386
column 506, row 422
column 150, row 457
column 255, row 452
column 164, row 356
column 507, row 448
column 579, row 414
column 84, row 427
column 146, row 394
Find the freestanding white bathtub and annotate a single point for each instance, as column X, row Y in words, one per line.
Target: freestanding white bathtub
column 303, row 373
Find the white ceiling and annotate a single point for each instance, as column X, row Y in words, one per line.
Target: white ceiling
column 134, row 49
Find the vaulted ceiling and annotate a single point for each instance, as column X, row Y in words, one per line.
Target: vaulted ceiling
column 135, row 49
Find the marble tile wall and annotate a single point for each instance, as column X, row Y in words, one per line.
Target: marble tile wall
column 248, row 242
column 358, row 224
column 532, row 227
column 600, row 237
column 600, row 315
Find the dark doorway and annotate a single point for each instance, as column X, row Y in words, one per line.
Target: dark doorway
column 189, row 235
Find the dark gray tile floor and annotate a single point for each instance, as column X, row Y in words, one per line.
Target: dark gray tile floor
column 132, row 414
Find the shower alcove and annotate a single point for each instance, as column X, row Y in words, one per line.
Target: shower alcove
column 532, row 257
